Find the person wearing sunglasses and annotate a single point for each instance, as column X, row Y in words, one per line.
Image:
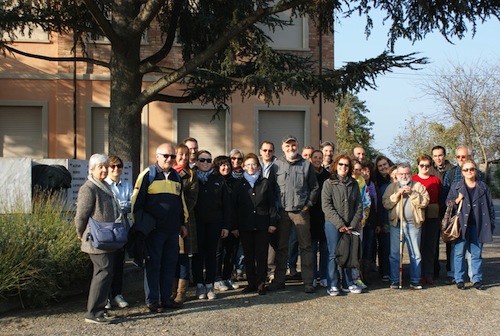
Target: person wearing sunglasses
column 477, row 222
column 227, row 247
column 431, row 227
column 451, row 177
column 213, row 213
column 160, row 216
column 236, row 157
column 343, row 207
column 123, row 192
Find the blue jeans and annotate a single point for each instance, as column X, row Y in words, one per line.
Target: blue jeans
column 163, row 248
column 470, row 244
column 321, row 247
column 332, row 238
column 411, row 236
column 183, row 269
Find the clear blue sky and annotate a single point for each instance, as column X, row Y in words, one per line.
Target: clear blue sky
column 398, row 95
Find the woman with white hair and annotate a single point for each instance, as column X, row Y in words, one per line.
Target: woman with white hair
column 96, row 200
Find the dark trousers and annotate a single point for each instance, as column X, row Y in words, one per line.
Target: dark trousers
column 255, row 247
column 226, row 256
column 117, row 284
column 163, row 248
column 384, row 245
column 208, row 238
column 430, row 230
column 100, row 284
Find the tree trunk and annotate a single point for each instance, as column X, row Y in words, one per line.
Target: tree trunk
column 125, row 114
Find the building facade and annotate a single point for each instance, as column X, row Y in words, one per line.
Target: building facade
column 59, row 109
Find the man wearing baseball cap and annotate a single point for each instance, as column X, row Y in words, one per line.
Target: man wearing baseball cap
column 298, row 190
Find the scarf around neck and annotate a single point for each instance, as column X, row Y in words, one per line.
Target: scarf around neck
column 237, row 173
column 105, row 187
column 203, row 176
column 179, row 168
column 251, row 178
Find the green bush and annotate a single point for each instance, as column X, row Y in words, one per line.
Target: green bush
column 40, row 254
column 494, row 183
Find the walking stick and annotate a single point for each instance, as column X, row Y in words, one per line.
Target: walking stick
column 401, row 244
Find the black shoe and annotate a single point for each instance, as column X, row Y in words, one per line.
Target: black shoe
column 249, row 289
column 97, row 320
column 460, row 285
column 308, row 289
column 261, row 289
column 154, row 308
column 274, row 286
column 478, row 285
column 171, row 305
column 449, row 281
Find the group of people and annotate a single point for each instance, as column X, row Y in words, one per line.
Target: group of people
column 196, row 217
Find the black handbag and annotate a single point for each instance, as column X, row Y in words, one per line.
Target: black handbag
column 348, row 251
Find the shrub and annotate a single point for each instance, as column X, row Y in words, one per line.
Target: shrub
column 40, row 254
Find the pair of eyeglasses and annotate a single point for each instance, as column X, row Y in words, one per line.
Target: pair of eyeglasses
column 267, row 150
column 461, row 157
column 238, row 159
column 251, row 165
column 343, row 164
column 113, row 166
column 166, row 156
column 424, row 166
column 202, row 160
column 466, row 170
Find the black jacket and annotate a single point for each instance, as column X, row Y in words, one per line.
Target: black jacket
column 253, row 208
column 214, row 203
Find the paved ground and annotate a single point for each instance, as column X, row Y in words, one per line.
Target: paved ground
column 435, row 310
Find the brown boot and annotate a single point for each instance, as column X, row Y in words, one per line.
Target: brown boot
column 181, row 291
column 175, row 284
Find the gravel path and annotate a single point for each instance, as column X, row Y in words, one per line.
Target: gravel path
column 435, row 310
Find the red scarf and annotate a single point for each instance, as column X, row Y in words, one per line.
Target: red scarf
column 178, row 168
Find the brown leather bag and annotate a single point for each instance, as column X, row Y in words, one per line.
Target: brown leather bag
column 451, row 229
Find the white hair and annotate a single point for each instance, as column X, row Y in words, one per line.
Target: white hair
column 97, row 159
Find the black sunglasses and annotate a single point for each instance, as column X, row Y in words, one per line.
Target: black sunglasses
column 166, row 156
column 113, row 166
column 205, row 160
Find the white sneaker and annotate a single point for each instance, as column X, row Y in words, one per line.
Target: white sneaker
column 323, row 283
column 221, row 285
column 354, row 289
column 333, row 291
column 231, row 284
column 210, row 292
column 120, row 301
column 315, row 283
column 201, row 292
column 108, row 305
column 359, row 283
